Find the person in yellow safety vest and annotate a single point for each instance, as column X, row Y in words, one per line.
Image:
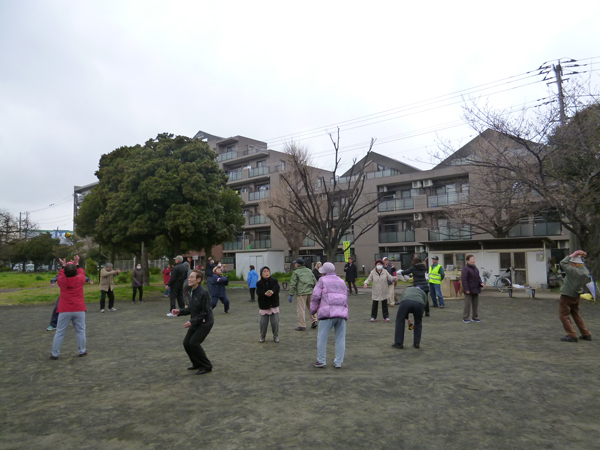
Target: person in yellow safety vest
column 436, row 275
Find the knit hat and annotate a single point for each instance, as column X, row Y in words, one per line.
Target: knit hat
column 327, row 268
column 261, row 271
column 576, row 260
column 378, row 261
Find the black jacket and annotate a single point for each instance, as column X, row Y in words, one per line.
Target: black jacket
column 351, row 272
column 263, row 286
column 418, row 272
column 178, row 275
column 316, row 273
column 200, row 308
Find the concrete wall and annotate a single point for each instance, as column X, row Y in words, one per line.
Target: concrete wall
column 273, row 259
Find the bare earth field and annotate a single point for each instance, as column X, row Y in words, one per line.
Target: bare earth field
column 506, row 383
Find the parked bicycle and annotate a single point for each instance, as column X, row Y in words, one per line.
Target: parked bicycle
column 502, row 283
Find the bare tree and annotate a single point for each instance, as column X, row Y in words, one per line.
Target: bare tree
column 327, row 208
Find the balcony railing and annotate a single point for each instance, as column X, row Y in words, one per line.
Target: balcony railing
column 345, row 180
column 258, row 195
column 382, row 174
column 390, row 256
column 235, row 175
column 450, row 234
column 434, row 201
column 397, row 236
column 347, row 237
column 264, row 170
column 398, row 204
column 237, row 245
column 536, row 229
column 308, row 242
column 252, row 150
column 262, row 243
column 227, row 156
column 258, row 220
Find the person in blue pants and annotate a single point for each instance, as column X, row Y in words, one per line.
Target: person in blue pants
column 217, row 289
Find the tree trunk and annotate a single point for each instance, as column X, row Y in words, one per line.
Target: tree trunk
column 144, row 261
column 331, row 253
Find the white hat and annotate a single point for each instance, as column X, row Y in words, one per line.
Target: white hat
column 327, row 268
column 577, row 260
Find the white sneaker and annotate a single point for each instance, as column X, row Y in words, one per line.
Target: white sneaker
column 112, row 309
column 101, row 310
column 170, row 315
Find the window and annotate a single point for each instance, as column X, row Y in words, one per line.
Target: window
column 230, row 148
column 440, row 190
column 406, row 194
column 415, row 192
column 262, row 163
column 380, row 168
column 319, row 182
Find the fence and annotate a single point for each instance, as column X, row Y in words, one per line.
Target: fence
column 127, row 265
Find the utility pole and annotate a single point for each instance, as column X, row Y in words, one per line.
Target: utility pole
column 561, row 100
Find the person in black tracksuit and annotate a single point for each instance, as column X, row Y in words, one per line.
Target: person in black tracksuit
column 199, row 325
column 178, row 276
column 418, row 271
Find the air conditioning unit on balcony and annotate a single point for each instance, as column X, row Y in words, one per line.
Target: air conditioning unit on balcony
column 417, row 184
column 427, row 183
column 382, row 188
column 417, row 216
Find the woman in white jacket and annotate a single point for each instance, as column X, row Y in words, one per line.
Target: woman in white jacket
column 381, row 279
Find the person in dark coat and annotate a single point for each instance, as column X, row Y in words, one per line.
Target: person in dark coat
column 472, row 286
column 316, row 272
column 199, row 325
column 351, row 275
column 217, row 289
column 267, row 291
column 178, row 276
column 137, row 282
column 418, row 271
column 412, row 301
column 208, row 274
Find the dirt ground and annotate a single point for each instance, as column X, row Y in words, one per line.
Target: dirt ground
column 505, row 383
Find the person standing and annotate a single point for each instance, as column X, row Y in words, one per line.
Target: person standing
column 107, row 285
column 418, row 271
column 379, row 293
column 472, row 286
column 436, row 275
column 208, row 274
column 577, row 275
column 54, row 317
column 351, row 275
column 412, row 301
column 252, row 279
column 137, row 282
column 178, row 276
column 186, row 287
column 267, row 289
column 71, row 306
column 199, row 325
column 387, row 265
column 218, row 289
column 302, row 284
column 166, row 273
column 316, row 272
column 330, row 304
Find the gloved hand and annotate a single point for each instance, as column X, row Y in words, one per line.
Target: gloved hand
column 290, row 299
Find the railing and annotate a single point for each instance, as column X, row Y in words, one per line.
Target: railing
column 450, row 234
column 264, row 170
column 341, row 258
column 347, row 237
column 258, row 219
column 434, row 201
column 237, row 245
column 237, row 175
column 382, row 174
column 345, row 180
column 536, row 229
column 263, row 243
column 253, row 150
column 396, row 205
column 258, row 195
column 227, row 156
column 390, row 256
column 308, row 242
column 397, row 236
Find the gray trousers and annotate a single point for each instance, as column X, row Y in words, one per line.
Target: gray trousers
column 471, row 300
column 264, row 323
column 64, row 318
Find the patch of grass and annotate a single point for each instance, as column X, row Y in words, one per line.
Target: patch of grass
column 12, row 280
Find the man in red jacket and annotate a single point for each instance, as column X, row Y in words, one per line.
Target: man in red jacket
column 71, row 306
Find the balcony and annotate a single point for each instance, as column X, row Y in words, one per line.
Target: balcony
column 237, row 245
column 262, row 243
column 433, row 201
column 450, row 234
column 345, row 180
column 264, row 170
column 536, row 229
column 235, row 175
column 382, row 174
column 399, row 204
column 258, row 195
column 308, row 242
column 254, row 150
column 258, row 220
column 397, row 236
column 227, row 156
column 347, row 237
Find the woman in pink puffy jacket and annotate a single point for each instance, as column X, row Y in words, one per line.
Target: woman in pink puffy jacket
column 330, row 302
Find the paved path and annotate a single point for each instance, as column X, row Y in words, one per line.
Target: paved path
column 506, row 383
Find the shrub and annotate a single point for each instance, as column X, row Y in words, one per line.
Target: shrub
column 5, row 269
column 123, row 278
column 233, row 276
column 38, row 278
column 281, row 276
column 155, row 270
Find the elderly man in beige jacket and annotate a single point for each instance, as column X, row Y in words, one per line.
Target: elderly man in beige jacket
column 107, row 284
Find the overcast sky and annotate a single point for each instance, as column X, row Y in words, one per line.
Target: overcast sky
column 81, row 78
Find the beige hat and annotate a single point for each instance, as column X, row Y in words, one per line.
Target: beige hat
column 576, row 260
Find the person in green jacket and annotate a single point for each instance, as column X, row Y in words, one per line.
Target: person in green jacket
column 302, row 284
column 577, row 276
